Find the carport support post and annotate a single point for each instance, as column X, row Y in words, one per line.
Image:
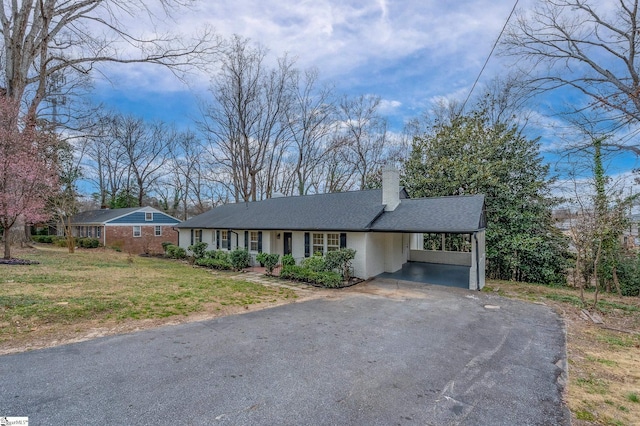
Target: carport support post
column 476, row 272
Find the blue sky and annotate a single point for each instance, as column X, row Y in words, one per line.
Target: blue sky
column 408, row 52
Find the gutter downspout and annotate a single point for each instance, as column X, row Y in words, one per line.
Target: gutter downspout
column 234, row 232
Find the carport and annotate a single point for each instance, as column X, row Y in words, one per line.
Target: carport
column 446, row 244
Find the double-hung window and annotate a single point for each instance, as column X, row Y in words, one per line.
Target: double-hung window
column 158, row 231
column 318, row 244
column 333, row 242
column 137, row 232
column 224, row 239
column 253, row 240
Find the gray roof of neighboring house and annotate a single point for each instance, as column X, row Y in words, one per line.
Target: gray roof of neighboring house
column 101, row 216
column 347, row 211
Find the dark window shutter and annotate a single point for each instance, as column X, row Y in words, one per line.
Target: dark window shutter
column 307, row 245
column 259, row 241
column 246, row 240
column 229, row 239
column 217, row 239
column 343, row 240
column 192, row 237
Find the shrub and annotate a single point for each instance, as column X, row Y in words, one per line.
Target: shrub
column 315, row 263
column 176, row 252
column 340, row 261
column 218, row 254
column 87, row 242
column 261, row 257
column 299, row 273
column 270, row 262
column 629, row 276
column 62, row 242
column 44, row 239
column 198, row 249
column 288, row 260
column 240, row 259
column 180, row 253
column 166, row 244
column 329, row 279
column 214, row 263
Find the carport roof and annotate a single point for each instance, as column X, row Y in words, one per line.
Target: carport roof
column 459, row 214
column 347, row 211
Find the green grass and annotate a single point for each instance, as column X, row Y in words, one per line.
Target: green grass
column 619, row 340
column 633, row 397
column 102, row 285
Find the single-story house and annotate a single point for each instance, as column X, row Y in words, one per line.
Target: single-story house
column 385, row 227
column 137, row 229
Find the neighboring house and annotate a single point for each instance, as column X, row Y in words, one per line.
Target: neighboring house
column 137, row 230
column 385, row 227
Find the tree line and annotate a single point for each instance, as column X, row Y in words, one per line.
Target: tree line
column 268, row 128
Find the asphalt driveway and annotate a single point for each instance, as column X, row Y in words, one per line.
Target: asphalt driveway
column 379, row 354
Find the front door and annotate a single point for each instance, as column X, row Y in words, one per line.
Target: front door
column 287, row 242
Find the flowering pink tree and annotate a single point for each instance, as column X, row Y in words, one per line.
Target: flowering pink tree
column 28, row 175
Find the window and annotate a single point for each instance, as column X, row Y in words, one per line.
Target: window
column 136, row 231
column 98, row 231
column 224, row 239
column 158, row 231
column 197, row 235
column 333, row 242
column 253, row 241
column 148, row 216
column 318, row 243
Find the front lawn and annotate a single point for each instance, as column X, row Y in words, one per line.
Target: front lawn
column 67, row 296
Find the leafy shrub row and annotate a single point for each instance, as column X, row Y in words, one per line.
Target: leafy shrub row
column 218, row 259
column 328, row 279
column 86, row 242
column 44, row 239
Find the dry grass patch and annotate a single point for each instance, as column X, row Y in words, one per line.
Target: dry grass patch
column 604, row 360
column 69, row 296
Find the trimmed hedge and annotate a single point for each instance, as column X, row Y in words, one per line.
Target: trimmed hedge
column 44, row 239
column 328, row 279
column 208, row 262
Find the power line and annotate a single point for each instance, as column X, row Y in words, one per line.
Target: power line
column 490, row 54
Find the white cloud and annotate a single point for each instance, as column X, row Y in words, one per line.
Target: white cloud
column 388, row 106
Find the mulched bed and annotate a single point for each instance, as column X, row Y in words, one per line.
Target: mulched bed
column 14, row 261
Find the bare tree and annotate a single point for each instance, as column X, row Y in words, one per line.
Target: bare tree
column 311, row 122
column 146, row 148
column 365, row 133
column 587, row 46
column 245, row 122
column 43, row 37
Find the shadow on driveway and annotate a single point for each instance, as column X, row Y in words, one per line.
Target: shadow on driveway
column 384, row 352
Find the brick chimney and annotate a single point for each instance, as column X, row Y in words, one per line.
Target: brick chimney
column 390, row 188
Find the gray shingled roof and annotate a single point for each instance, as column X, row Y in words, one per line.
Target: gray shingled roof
column 101, row 216
column 347, row 211
column 460, row 214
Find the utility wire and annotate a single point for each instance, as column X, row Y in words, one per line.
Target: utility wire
column 490, row 54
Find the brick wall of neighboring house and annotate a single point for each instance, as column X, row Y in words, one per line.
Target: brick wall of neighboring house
column 148, row 242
